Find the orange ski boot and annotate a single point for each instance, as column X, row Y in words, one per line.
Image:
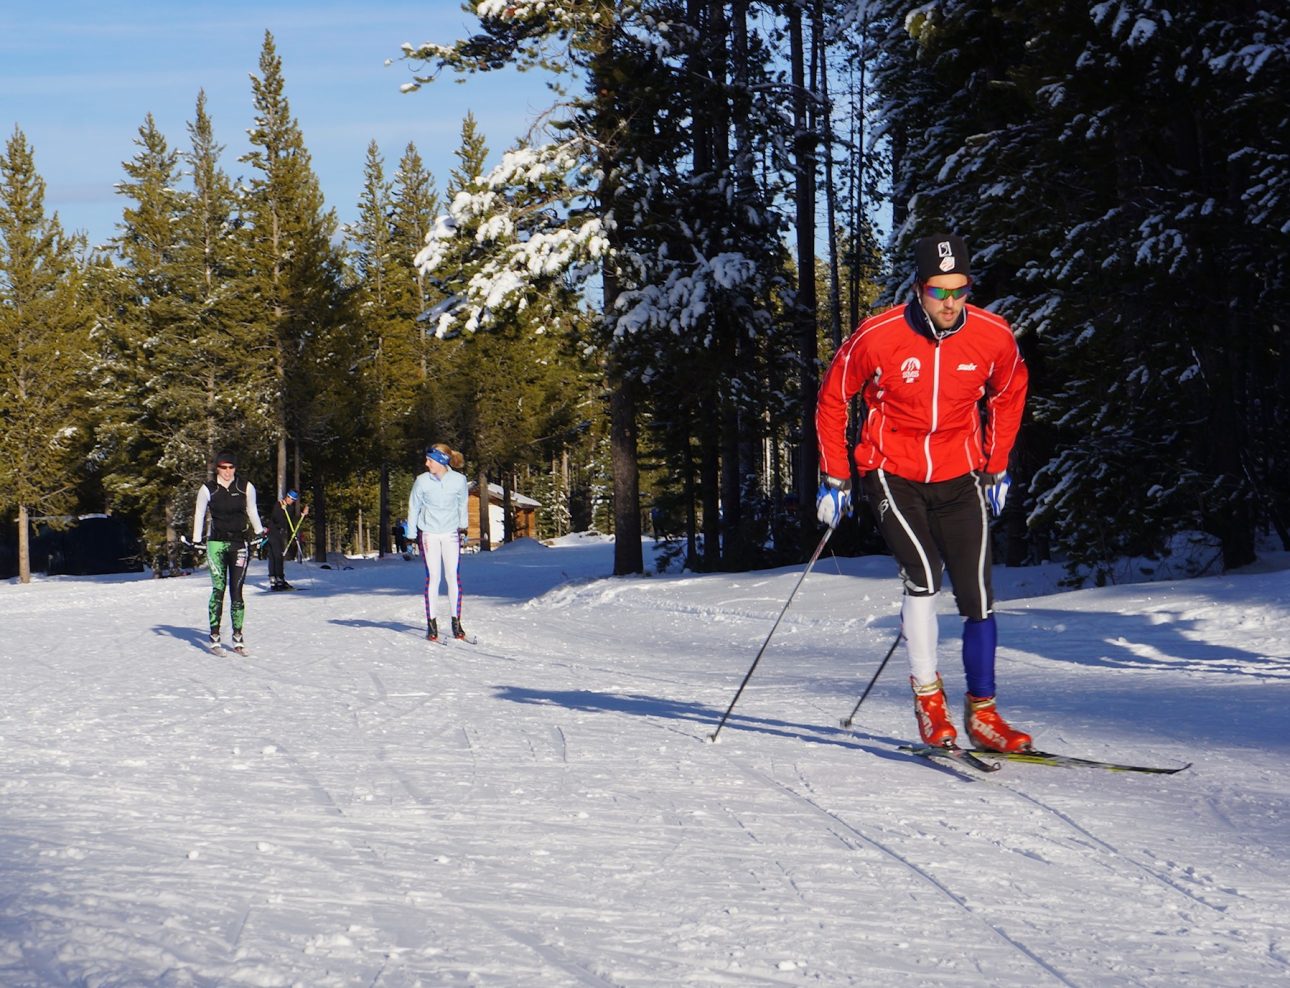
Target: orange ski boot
column 933, row 718
column 988, row 729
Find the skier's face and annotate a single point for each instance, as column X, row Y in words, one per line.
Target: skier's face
column 435, row 467
column 944, row 312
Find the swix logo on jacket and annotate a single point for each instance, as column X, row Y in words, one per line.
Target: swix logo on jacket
column 923, row 396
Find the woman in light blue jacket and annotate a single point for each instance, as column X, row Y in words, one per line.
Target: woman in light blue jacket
column 437, row 514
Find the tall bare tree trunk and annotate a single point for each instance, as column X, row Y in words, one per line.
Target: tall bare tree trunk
column 623, row 442
column 824, row 114
column 804, row 148
column 383, row 544
column 24, row 545
column 485, row 513
column 319, row 515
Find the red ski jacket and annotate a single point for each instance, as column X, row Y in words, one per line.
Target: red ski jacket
column 923, row 397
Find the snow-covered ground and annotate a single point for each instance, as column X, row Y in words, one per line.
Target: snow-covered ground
column 355, row 806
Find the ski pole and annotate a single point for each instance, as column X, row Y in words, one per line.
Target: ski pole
column 814, row 556
column 295, row 538
column 846, row 721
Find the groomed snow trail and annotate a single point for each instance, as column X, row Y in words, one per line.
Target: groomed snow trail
column 352, row 805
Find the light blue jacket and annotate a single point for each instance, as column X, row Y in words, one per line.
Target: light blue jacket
column 438, row 504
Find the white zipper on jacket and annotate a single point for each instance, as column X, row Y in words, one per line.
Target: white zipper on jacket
column 936, row 401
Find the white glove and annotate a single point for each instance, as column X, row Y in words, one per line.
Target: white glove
column 832, row 501
column 996, row 490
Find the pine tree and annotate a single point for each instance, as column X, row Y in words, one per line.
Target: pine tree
column 386, row 301
column 43, row 341
column 135, row 340
column 222, row 391
column 654, row 189
column 550, row 222
column 1100, row 159
column 313, row 343
column 416, row 204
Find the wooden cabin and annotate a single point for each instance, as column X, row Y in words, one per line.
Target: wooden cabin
column 523, row 508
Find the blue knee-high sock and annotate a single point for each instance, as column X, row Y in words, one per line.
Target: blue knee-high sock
column 979, row 641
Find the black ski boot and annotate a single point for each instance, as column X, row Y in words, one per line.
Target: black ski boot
column 457, row 631
column 433, row 634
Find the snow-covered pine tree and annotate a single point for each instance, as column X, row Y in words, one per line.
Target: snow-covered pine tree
column 563, row 243
column 1096, row 159
column 1167, row 329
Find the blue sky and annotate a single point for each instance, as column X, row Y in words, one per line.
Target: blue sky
column 79, row 79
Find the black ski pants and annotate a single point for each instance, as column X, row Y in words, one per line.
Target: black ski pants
column 277, row 551
column 932, row 527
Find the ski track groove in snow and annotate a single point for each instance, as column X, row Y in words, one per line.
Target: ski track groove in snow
column 912, row 868
column 1116, row 854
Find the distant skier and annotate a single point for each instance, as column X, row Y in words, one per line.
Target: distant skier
column 284, row 521
column 930, row 473
column 234, row 518
column 437, row 512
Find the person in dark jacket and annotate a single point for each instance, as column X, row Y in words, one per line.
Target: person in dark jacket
column 284, row 522
column 234, row 519
column 944, row 388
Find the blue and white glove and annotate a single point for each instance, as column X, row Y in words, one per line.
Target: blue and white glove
column 996, row 490
column 833, row 500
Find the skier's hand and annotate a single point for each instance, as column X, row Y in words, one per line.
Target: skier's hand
column 304, row 511
column 833, row 500
column 996, row 490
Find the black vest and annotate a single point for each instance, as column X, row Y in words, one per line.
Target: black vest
column 229, row 522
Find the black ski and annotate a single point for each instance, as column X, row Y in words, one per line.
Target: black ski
column 952, row 753
column 1070, row 761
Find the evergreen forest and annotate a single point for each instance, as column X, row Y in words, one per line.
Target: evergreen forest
column 625, row 314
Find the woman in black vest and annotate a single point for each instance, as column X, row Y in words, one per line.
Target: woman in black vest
column 234, row 518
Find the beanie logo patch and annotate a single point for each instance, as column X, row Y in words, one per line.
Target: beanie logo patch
column 945, row 251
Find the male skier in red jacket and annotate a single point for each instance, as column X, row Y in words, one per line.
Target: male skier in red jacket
column 931, row 469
